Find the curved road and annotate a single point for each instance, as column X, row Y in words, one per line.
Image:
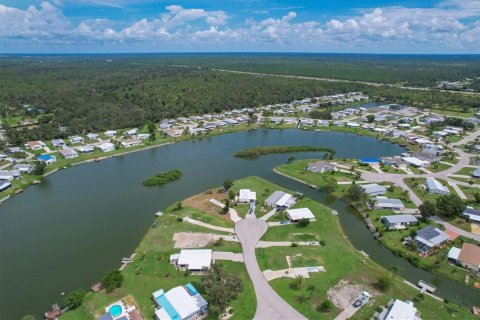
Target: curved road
column 270, row 306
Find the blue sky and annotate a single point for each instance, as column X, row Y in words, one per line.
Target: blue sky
column 371, row 26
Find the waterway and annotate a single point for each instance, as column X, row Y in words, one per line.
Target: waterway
column 66, row 232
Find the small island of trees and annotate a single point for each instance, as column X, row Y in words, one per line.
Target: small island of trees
column 254, row 153
column 163, row 178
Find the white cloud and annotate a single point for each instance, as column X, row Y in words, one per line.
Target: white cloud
column 449, row 24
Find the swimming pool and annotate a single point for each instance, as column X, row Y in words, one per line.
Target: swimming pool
column 115, row 310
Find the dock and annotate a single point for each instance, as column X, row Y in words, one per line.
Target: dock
column 426, row 287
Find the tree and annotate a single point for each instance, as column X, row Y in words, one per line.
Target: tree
column 384, row 283
column 325, row 306
column 113, row 280
column 179, row 206
column 427, row 209
column 227, row 184
column 75, row 298
column 303, row 222
column 450, row 205
column 291, row 159
column 39, row 168
column 370, row 118
column 231, row 194
column 477, row 197
column 296, row 283
column 226, row 208
column 220, row 287
column 356, row 192
column 152, row 129
column 331, row 184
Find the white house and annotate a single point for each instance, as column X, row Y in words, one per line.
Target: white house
column 4, row 185
column 131, row 133
column 470, row 214
column 180, row 303
column 374, row 189
column 321, row 167
column 58, row 142
column 110, row 133
column 75, row 139
column 280, row 200
column 106, row 147
column 23, row 168
column 247, row 196
column 85, row 149
column 68, row 153
column 416, row 162
column 400, row 310
column 92, row 136
column 434, row 186
column 383, row 203
column 192, row 259
column 35, row 145
column 399, row 221
column 130, row 143
column 295, row 215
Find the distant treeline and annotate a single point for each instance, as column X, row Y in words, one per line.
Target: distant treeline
column 163, row 178
column 93, row 94
column 254, row 153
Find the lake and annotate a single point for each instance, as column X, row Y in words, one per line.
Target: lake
column 66, row 232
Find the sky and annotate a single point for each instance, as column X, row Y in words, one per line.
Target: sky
column 344, row 26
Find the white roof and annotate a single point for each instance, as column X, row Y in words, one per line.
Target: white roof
column 196, row 259
column 454, row 253
column 401, row 310
column 284, row 199
column 415, row 161
column 106, row 146
column 433, row 184
column 374, row 188
column 301, row 213
column 183, row 302
column 246, row 194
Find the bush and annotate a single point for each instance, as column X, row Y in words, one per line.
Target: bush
column 379, row 309
column 384, row 283
column 322, row 243
column 75, row 298
column 326, row 306
column 294, row 245
column 303, row 222
column 113, row 280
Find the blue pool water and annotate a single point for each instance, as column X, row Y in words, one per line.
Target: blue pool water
column 115, row 310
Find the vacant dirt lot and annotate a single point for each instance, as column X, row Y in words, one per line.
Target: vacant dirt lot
column 475, row 228
column 192, row 239
column 344, row 293
column 201, row 202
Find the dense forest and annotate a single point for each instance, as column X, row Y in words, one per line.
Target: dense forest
column 409, row 70
column 94, row 93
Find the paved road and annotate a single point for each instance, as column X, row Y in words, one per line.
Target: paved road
column 375, row 84
column 207, row 225
column 270, row 306
column 456, row 230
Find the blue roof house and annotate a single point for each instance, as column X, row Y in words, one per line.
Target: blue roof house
column 47, row 158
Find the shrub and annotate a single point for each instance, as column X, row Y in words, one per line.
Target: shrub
column 303, row 222
column 325, row 306
column 113, row 280
column 75, row 298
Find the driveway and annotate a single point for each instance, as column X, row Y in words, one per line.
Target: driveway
column 222, row 255
column 269, row 304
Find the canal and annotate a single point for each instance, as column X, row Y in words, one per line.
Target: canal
column 66, row 232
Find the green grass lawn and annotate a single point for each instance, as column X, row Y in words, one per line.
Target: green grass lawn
column 466, row 171
column 341, row 261
column 438, row 166
column 151, row 270
column 297, row 169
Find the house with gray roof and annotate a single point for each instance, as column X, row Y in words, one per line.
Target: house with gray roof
column 434, row 186
column 476, row 173
column 471, row 214
column 383, row 203
column 430, row 239
column 399, row 221
column 321, row 167
column 280, row 200
column 374, row 189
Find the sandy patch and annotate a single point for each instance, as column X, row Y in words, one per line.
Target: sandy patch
column 201, row 202
column 344, row 293
column 192, row 239
column 475, row 228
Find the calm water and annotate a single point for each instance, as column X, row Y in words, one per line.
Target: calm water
column 68, row 231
